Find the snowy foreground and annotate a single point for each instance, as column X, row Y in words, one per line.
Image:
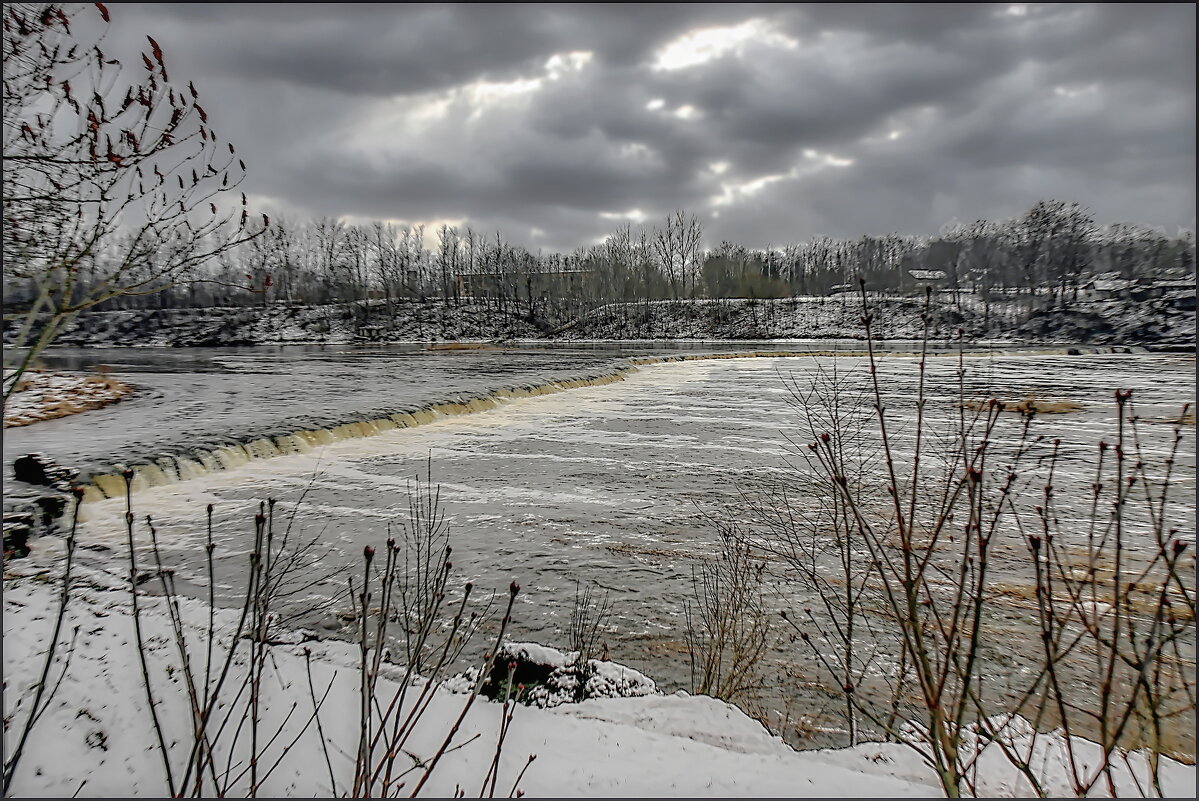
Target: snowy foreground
column 95, row 738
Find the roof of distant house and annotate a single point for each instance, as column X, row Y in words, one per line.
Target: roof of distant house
column 1111, row 284
column 1174, row 283
column 927, row 275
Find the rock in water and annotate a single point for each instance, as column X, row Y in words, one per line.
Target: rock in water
column 29, row 511
column 17, row 528
column 37, row 468
column 52, row 507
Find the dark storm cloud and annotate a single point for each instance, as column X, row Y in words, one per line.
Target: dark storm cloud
column 773, row 123
column 380, row 49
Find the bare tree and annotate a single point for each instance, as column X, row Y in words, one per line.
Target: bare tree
column 447, row 261
column 114, row 184
column 1053, row 241
column 677, row 248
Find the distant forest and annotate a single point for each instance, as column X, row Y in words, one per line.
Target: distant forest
column 1053, row 255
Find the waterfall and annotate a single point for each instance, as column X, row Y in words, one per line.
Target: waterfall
column 168, row 469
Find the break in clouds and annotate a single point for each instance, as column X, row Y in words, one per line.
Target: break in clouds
column 773, row 123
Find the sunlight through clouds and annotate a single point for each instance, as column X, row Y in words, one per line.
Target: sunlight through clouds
column 561, row 64
column 701, row 46
column 1079, row 91
column 521, row 117
column 632, row 215
column 483, row 93
column 732, row 192
column 471, row 100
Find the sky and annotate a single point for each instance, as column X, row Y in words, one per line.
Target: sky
column 773, row 123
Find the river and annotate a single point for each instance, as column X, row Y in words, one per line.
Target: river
column 613, row 485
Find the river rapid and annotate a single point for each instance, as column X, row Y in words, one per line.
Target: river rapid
column 614, row 485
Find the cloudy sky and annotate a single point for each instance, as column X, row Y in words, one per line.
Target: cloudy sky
column 773, row 123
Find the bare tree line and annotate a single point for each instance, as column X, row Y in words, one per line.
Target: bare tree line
column 1045, row 256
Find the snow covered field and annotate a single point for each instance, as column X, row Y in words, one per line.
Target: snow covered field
column 95, row 737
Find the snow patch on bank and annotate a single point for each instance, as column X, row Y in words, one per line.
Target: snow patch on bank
column 46, row 396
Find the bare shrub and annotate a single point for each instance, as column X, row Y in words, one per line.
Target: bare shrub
column 234, row 743
column 931, row 547
column 818, row 542
column 588, row 619
column 728, row 626
column 421, row 576
column 1116, row 612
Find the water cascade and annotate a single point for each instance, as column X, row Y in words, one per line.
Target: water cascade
column 171, row 468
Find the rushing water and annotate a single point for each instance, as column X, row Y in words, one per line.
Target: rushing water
column 612, row 485
column 193, row 398
column 203, row 397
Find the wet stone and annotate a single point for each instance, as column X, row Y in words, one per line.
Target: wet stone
column 17, row 528
column 37, row 468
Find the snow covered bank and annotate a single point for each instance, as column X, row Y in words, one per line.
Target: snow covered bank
column 1106, row 322
column 95, row 738
column 407, row 321
column 1083, row 323
column 46, row 396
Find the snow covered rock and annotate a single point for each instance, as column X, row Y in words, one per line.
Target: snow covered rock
column 545, row 677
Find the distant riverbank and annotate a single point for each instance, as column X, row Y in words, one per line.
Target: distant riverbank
column 1161, row 322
